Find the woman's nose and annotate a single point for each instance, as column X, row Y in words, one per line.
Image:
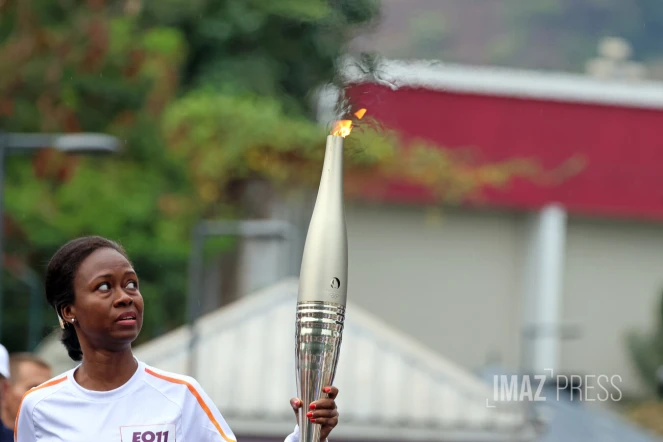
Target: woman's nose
column 123, row 298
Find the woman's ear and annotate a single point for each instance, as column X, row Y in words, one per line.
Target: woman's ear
column 68, row 313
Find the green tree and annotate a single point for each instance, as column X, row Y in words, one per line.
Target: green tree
column 119, row 68
column 116, row 67
column 564, row 34
column 284, row 50
column 90, row 67
column 206, row 95
column 647, row 351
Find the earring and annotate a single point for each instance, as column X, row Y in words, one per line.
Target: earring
column 73, row 320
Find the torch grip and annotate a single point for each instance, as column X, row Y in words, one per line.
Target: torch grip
column 319, row 332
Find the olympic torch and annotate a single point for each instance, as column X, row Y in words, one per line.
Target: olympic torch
column 323, row 284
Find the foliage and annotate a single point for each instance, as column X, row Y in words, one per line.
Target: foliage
column 133, row 69
column 289, row 151
column 647, row 351
column 204, row 95
column 430, row 35
column 564, row 34
column 91, row 68
column 648, row 415
column 283, row 50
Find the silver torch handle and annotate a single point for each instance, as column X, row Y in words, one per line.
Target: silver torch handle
column 322, row 290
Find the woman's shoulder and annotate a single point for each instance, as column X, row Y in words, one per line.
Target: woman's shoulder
column 168, row 376
column 180, row 389
column 48, row 388
column 201, row 412
column 167, row 380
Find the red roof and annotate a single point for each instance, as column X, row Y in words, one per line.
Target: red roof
column 616, row 129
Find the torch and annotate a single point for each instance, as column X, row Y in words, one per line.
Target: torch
column 323, row 284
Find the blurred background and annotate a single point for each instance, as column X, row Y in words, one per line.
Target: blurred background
column 504, row 198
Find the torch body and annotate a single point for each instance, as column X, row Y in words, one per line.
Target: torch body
column 322, row 290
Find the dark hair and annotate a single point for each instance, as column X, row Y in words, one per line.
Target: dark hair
column 60, row 275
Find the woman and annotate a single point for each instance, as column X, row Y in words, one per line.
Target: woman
column 112, row 396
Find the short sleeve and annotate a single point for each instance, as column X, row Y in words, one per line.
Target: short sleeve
column 294, row 436
column 203, row 420
column 24, row 430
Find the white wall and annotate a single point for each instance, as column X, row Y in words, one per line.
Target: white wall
column 457, row 285
column 453, row 284
column 614, row 277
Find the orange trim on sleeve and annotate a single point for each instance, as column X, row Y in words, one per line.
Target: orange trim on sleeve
column 47, row 384
column 201, row 402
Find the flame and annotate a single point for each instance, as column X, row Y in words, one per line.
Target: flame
column 342, row 128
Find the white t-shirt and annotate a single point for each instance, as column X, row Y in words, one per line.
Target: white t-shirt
column 153, row 406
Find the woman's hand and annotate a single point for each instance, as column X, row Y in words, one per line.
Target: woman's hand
column 322, row 412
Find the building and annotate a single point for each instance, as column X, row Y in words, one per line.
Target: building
column 550, row 273
column 538, row 275
column 391, row 388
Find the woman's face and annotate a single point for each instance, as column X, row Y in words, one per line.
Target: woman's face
column 108, row 306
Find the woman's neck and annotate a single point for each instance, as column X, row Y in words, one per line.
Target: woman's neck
column 102, row 370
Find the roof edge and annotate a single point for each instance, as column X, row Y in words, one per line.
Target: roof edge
column 506, row 82
column 356, row 316
column 349, row 430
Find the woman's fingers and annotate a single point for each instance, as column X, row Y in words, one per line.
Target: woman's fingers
column 323, row 404
column 322, row 414
column 296, row 404
column 329, row 422
column 332, row 392
column 323, row 411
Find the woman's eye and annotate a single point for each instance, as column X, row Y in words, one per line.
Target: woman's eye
column 132, row 285
column 104, row 286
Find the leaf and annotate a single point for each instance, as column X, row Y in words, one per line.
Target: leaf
column 164, row 41
column 304, row 10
